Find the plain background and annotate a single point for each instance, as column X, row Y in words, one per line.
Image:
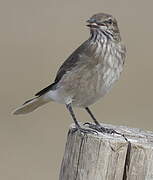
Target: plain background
column 36, row 36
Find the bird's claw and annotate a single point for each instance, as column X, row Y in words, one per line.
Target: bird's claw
column 84, row 131
column 101, row 129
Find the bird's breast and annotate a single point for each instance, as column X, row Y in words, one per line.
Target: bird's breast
column 108, row 73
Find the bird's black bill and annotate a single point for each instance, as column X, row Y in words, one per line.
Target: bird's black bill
column 92, row 25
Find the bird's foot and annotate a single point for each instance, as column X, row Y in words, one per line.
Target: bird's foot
column 102, row 129
column 84, row 131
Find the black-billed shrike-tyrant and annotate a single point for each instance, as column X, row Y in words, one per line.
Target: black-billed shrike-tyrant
column 88, row 73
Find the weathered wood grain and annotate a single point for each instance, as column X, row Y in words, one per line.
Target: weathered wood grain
column 108, row 157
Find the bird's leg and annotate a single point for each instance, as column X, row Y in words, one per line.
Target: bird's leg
column 97, row 126
column 92, row 116
column 78, row 127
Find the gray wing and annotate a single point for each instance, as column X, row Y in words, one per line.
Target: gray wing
column 68, row 65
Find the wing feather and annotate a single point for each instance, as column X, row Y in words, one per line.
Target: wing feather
column 68, row 65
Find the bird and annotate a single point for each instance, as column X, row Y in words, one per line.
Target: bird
column 88, row 74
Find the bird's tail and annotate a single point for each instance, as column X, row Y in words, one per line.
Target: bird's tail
column 30, row 105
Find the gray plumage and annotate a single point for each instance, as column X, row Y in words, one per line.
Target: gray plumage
column 89, row 72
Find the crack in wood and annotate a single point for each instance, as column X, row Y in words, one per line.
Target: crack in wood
column 80, row 148
column 127, row 161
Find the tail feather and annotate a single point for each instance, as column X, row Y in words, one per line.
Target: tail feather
column 30, row 106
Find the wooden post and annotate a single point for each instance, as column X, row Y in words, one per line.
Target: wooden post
column 108, row 157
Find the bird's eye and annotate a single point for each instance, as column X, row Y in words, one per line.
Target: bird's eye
column 109, row 21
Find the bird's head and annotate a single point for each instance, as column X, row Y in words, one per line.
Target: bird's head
column 104, row 23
